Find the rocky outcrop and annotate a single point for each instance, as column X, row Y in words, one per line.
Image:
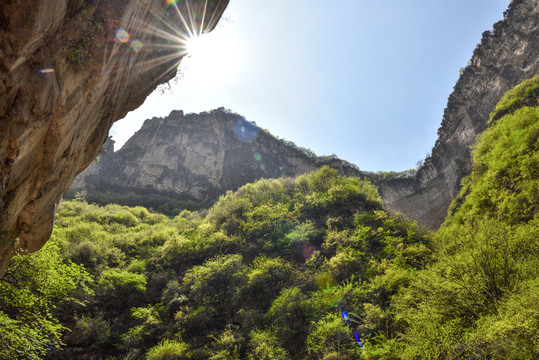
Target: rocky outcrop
column 199, row 157
column 68, row 70
column 505, row 57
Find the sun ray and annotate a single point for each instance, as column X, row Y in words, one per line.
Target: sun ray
column 158, row 61
column 171, row 26
column 178, row 11
column 174, row 36
column 191, row 19
column 214, row 18
column 203, row 17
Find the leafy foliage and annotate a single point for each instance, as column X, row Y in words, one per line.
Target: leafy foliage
column 268, row 270
column 247, row 278
column 86, row 35
column 30, row 293
column 474, row 301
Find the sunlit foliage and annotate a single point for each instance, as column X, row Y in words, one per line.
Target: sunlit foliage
column 475, row 301
column 247, row 278
column 269, row 270
column 30, row 293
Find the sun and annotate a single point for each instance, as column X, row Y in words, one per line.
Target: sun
column 206, row 59
column 197, row 46
column 211, row 58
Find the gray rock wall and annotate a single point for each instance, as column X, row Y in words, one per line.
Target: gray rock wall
column 198, row 157
column 505, row 57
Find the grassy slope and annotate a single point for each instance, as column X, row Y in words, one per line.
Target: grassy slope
column 267, row 271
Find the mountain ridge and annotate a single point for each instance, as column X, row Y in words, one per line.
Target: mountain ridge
column 199, row 157
column 506, row 56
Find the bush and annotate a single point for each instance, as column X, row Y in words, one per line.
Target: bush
column 264, row 345
column 332, row 334
column 168, row 350
column 92, row 331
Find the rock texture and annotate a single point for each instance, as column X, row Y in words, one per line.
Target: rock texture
column 505, row 57
column 66, row 74
column 198, row 157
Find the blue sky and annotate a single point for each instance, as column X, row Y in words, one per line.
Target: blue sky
column 365, row 80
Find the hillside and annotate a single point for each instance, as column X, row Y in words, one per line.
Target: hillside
column 506, row 56
column 66, row 77
column 305, row 268
column 182, row 160
column 196, row 158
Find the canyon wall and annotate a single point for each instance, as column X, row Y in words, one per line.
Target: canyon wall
column 68, row 70
column 198, row 157
column 505, row 57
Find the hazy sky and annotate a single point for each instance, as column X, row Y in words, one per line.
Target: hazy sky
column 365, row 80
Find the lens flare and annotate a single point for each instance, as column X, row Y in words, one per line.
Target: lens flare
column 324, row 280
column 46, row 71
column 308, row 250
column 245, row 131
column 344, row 314
column 166, row 37
column 257, row 156
column 334, row 300
column 122, row 35
column 136, row 45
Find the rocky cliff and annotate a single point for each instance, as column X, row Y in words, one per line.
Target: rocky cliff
column 506, row 56
column 198, row 157
column 68, row 70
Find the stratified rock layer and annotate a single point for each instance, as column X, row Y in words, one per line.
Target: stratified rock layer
column 506, row 56
column 66, row 74
column 198, row 157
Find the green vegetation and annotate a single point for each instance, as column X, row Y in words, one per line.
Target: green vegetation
column 268, row 270
column 31, row 293
column 524, row 94
column 86, row 35
column 263, row 274
column 154, row 202
column 478, row 300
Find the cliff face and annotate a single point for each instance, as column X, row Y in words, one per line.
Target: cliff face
column 198, row 157
column 68, row 70
column 504, row 58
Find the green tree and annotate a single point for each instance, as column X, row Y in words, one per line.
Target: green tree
column 216, row 284
column 31, row 290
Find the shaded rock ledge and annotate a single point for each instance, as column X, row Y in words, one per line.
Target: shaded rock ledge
column 66, row 74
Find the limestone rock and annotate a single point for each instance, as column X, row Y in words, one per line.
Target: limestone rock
column 505, row 57
column 68, row 70
column 199, row 157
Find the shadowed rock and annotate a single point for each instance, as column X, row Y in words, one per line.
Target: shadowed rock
column 66, row 74
column 505, row 57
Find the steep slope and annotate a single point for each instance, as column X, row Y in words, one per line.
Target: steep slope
column 505, row 57
column 199, row 157
column 480, row 298
column 203, row 160
column 263, row 274
column 68, row 70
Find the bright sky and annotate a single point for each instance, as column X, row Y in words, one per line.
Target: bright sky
column 365, row 80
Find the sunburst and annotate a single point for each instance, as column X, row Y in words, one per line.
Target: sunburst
column 177, row 35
